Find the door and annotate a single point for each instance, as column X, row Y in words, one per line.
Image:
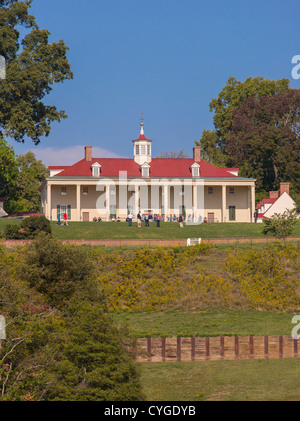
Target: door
column 85, row 216
column 210, row 217
column 231, row 213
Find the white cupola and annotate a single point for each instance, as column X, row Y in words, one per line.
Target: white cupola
column 142, row 148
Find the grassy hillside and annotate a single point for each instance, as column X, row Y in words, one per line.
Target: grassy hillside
column 243, row 380
column 169, row 230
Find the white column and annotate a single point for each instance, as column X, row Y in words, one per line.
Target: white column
column 49, row 204
column 223, row 203
column 107, row 202
column 252, row 209
column 195, row 198
column 78, row 202
column 166, row 201
column 137, row 198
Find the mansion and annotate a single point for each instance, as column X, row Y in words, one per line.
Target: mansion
column 114, row 187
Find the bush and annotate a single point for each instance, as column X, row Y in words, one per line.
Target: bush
column 29, row 228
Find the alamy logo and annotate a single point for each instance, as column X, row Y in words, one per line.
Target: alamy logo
column 295, row 329
column 2, row 68
column 2, row 328
column 296, row 69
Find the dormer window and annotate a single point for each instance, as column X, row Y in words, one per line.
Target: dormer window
column 195, row 170
column 145, row 169
column 96, row 169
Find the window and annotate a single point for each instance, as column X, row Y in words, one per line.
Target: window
column 137, row 149
column 63, row 191
column 85, row 190
column 145, row 172
column 143, row 150
column 210, row 191
column 195, row 170
column 231, row 191
column 96, row 169
column 148, row 150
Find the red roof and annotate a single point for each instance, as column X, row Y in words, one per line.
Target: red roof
column 268, row 200
column 159, row 167
column 142, row 137
column 58, row 167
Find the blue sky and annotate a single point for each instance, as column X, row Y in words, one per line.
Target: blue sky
column 167, row 58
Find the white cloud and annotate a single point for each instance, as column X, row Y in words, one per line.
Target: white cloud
column 70, row 155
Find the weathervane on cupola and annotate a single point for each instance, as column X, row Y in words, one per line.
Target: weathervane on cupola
column 142, row 146
column 142, row 123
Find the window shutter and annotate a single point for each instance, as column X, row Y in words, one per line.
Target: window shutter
column 69, row 211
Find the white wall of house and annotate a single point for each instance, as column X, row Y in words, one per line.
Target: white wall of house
column 283, row 203
column 217, row 200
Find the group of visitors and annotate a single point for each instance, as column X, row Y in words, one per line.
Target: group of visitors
column 62, row 218
column 144, row 218
column 95, row 219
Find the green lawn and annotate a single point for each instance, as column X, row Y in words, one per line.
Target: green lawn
column 168, row 230
column 205, row 322
column 243, row 380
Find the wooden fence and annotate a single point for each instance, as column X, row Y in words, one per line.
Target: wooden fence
column 213, row 348
column 154, row 242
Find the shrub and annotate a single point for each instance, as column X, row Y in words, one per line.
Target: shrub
column 29, row 228
column 281, row 225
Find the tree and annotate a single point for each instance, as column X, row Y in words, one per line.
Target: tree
column 8, row 170
column 26, row 196
column 231, row 97
column 281, row 225
column 61, row 343
column 93, row 364
column 173, row 154
column 265, row 139
column 33, row 66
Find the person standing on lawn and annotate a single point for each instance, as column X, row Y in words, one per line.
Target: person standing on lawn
column 158, row 220
column 146, row 220
column 65, row 216
column 139, row 220
column 130, row 219
column 180, row 220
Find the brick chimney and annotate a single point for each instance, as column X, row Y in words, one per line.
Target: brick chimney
column 197, row 153
column 284, row 187
column 88, row 153
column 273, row 194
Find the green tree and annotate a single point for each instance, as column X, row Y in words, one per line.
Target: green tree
column 26, row 196
column 31, row 328
column 281, row 225
column 8, row 171
column 93, row 364
column 61, row 343
column 231, row 97
column 33, row 66
column 265, row 139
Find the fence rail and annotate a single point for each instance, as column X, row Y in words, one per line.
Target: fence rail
column 154, row 242
column 213, row 348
